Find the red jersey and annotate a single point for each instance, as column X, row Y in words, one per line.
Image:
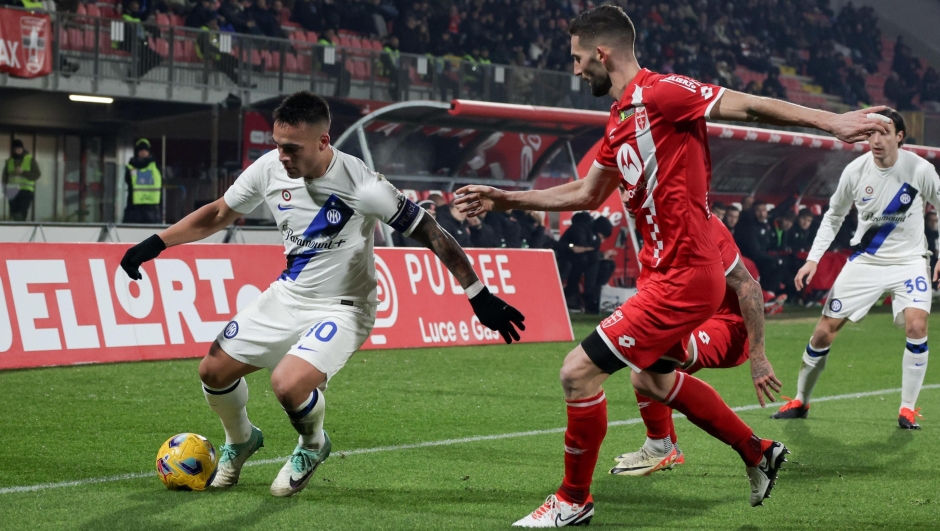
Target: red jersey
column 730, row 255
column 657, row 139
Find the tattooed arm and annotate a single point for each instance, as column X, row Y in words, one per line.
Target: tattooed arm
column 492, row 311
column 439, row 241
column 751, row 300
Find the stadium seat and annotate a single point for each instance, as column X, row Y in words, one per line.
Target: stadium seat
column 272, row 61
column 297, row 36
column 312, row 37
column 163, row 20
column 355, row 42
column 411, row 194
column 375, row 45
column 76, row 39
column 291, row 64
column 177, row 20
column 108, row 11
column 81, row 9
column 161, row 46
column 344, row 41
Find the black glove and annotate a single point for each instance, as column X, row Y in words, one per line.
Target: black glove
column 140, row 253
column 495, row 314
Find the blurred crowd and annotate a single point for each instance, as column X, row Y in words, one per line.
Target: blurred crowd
column 777, row 240
column 704, row 39
column 909, row 79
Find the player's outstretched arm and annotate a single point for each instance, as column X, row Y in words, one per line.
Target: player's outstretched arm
column 751, row 300
column 493, row 312
column 588, row 193
column 853, row 126
column 198, row 225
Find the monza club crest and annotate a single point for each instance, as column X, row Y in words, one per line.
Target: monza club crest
column 35, row 35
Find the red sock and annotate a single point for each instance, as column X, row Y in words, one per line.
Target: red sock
column 587, row 426
column 702, row 405
column 657, row 417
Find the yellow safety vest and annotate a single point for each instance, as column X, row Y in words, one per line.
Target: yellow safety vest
column 146, row 184
column 29, row 4
column 213, row 42
column 18, row 180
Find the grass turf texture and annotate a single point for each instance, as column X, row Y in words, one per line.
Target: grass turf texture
column 851, row 467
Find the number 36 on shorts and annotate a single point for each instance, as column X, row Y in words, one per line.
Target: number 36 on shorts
column 920, row 284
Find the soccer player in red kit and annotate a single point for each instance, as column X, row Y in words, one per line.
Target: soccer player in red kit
column 656, row 141
column 732, row 336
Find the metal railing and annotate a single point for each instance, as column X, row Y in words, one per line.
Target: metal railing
column 179, row 58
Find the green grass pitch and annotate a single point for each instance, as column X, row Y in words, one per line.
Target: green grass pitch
column 851, row 467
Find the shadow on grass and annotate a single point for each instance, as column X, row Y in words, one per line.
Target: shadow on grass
column 817, row 456
column 160, row 509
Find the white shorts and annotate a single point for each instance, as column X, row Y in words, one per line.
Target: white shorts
column 277, row 323
column 860, row 286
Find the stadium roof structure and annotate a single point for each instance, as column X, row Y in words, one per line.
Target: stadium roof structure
column 429, row 144
column 439, row 145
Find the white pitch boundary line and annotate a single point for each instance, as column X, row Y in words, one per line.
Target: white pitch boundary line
column 428, row 444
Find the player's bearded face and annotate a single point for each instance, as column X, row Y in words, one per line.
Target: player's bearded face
column 597, row 77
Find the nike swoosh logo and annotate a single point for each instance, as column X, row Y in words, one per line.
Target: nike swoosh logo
column 920, row 364
column 918, row 300
column 282, row 207
column 295, row 484
column 867, row 199
column 301, row 347
column 560, row 520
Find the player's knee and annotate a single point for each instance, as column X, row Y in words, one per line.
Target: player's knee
column 210, row 372
column 578, row 379
column 650, row 385
column 288, row 389
column 916, row 329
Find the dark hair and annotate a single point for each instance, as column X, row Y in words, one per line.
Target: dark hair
column 603, row 22
column 602, row 226
column 806, row 213
column 789, row 216
column 732, row 208
column 301, row 108
column 898, row 120
column 719, row 205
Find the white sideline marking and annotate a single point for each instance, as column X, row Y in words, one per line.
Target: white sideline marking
column 428, row 444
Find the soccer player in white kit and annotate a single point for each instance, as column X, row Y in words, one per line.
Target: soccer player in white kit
column 309, row 321
column 889, row 187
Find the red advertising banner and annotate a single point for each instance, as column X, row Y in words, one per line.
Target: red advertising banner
column 63, row 304
column 25, row 43
column 257, row 137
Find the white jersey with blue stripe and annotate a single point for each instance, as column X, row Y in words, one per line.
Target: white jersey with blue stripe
column 328, row 223
column 890, row 203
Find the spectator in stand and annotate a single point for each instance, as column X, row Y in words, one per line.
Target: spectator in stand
column 409, row 36
column 800, row 237
column 199, row 14
column 575, row 252
column 732, row 216
column 267, row 20
column 772, row 87
column 780, row 249
column 451, row 219
column 899, row 92
column 534, row 233
column 437, row 199
column 930, row 86
column 756, row 241
column 506, row 228
column 482, row 234
column 234, row 13
column 600, row 266
column 719, row 209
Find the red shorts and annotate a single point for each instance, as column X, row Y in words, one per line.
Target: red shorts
column 720, row 343
column 672, row 304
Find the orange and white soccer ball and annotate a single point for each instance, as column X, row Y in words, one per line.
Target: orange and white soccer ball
column 187, row 462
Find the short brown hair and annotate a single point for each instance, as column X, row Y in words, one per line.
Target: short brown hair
column 301, row 108
column 608, row 23
column 898, row 120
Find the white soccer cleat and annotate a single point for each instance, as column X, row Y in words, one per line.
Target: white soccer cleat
column 232, row 458
column 643, row 462
column 559, row 513
column 299, row 468
column 764, row 475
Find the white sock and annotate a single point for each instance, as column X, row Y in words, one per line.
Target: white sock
column 913, row 369
column 229, row 404
column 814, row 361
column 308, row 420
column 658, row 447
